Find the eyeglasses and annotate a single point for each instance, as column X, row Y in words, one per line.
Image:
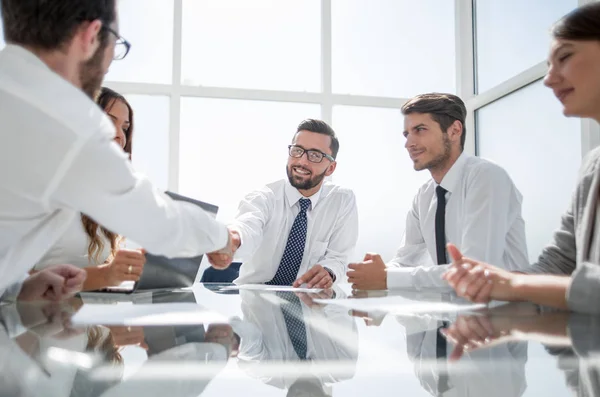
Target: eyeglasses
column 122, row 46
column 314, row 156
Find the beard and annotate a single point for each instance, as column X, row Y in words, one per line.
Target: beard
column 304, row 184
column 91, row 74
column 440, row 160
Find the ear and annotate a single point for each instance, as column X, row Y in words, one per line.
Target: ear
column 87, row 38
column 455, row 131
column 331, row 168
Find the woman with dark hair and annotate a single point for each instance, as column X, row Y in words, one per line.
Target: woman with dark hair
column 87, row 244
column 567, row 273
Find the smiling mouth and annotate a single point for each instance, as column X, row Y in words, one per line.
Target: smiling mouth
column 416, row 153
column 301, row 171
column 561, row 95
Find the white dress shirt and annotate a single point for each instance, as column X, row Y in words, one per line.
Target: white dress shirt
column 58, row 159
column 483, row 219
column 264, row 221
column 72, row 248
column 331, row 336
column 495, row 371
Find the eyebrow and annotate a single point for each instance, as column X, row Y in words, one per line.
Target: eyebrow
column 560, row 47
column 415, row 127
column 313, row 149
column 116, row 119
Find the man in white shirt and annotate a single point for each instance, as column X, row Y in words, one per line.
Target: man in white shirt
column 58, row 158
column 300, row 230
column 469, row 201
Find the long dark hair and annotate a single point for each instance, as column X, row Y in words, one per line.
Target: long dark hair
column 583, row 23
column 106, row 100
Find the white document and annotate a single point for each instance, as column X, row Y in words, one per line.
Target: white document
column 124, row 313
column 265, row 287
column 400, row 305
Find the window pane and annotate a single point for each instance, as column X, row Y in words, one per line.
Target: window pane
column 265, row 44
column 504, row 52
column 151, row 137
column 394, row 48
column 229, row 148
column 379, row 172
column 148, row 26
column 526, row 134
column 2, row 42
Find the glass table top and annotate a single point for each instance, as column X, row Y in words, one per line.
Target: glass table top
column 285, row 343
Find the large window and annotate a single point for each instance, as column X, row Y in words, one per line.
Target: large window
column 149, row 27
column 229, row 148
column 526, row 134
column 395, row 48
column 375, row 165
column 263, row 44
column 513, row 35
column 151, row 137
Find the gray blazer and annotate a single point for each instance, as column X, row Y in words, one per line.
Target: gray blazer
column 569, row 252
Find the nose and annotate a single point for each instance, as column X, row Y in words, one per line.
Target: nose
column 120, row 138
column 552, row 77
column 409, row 142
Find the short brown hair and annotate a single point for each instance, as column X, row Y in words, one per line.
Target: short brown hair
column 49, row 24
column 444, row 109
column 321, row 127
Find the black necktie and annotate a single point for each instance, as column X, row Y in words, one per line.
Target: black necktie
column 440, row 247
column 440, row 225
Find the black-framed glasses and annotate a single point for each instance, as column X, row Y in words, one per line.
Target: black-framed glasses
column 122, row 46
column 314, row 156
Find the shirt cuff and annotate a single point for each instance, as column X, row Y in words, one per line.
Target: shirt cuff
column 11, row 293
column 584, row 289
column 400, row 277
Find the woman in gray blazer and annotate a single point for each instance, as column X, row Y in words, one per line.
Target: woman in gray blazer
column 567, row 273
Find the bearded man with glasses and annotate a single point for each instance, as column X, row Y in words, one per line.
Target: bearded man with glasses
column 299, row 230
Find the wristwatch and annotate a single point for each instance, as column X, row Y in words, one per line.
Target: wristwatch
column 331, row 273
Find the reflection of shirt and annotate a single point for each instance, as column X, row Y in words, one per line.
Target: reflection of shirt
column 331, row 335
column 483, row 218
column 497, row 371
column 265, row 218
column 58, row 159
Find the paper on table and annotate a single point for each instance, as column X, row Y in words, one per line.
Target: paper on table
column 398, row 305
column 264, row 287
column 158, row 314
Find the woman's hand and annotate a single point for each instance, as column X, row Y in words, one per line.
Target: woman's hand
column 127, row 265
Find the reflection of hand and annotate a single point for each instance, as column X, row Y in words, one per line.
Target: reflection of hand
column 506, row 323
column 49, row 319
column 222, row 259
column 223, row 335
column 308, row 298
column 128, row 336
column 53, row 283
column 316, row 277
column 371, row 319
column 370, row 274
column 127, row 265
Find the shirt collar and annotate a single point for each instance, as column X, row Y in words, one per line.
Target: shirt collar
column 450, row 180
column 293, row 196
column 25, row 55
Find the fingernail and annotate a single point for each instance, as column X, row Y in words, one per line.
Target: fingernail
column 463, row 290
column 466, row 266
column 486, row 273
column 487, row 340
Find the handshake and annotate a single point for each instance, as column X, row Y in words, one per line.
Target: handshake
column 222, row 258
